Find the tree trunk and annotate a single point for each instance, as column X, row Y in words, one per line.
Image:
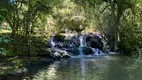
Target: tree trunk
column 13, row 32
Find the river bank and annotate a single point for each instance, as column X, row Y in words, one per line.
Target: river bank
column 18, row 66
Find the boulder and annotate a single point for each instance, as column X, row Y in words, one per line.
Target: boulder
column 63, row 41
column 71, row 44
column 66, row 55
column 75, row 51
column 59, row 38
column 57, row 50
column 56, row 55
column 48, row 44
column 94, row 41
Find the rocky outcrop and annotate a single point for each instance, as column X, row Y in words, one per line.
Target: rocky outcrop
column 94, row 41
column 65, row 55
column 58, row 53
column 64, row 46
column 87, row 51
column 62, row 41
column 74, row 51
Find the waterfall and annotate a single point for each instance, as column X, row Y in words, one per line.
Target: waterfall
column 82, row 44
column 95, row 51
column 52, row 42
column 85, row 44
column 82, row 41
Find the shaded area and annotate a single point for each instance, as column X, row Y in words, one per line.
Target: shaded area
column 17, row 46
column 16, row 67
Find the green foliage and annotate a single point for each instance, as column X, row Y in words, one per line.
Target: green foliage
column 3, row 51
column 2, row 40
column 118, row 20
column 24, row 17
column 69, row 16
column 138, row 1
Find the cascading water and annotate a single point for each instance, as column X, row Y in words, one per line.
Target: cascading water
column 52, row 42
column 83, row 48
column 82, row 41
column 82, row 44
column 95, row 51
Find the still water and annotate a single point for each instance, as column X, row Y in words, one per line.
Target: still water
column 87, row 68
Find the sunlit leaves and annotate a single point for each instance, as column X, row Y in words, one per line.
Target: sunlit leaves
column 138, row 1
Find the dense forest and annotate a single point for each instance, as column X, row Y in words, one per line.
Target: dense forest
column 27, row 25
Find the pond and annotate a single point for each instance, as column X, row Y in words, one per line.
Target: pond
column 84, row 68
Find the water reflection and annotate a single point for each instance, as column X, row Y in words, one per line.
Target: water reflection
column 87, row 68
column 82, row 64
column 47, row 73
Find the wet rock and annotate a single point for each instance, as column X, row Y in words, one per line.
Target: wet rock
column 114, row 53
column 75, row 51
column 94, row 41
column 59, row 38
column 56, row 55
column 62, row 41
column 66, row 55
column 57, row 50
column 48, row 44
column 71, row 43
column 87, row 50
